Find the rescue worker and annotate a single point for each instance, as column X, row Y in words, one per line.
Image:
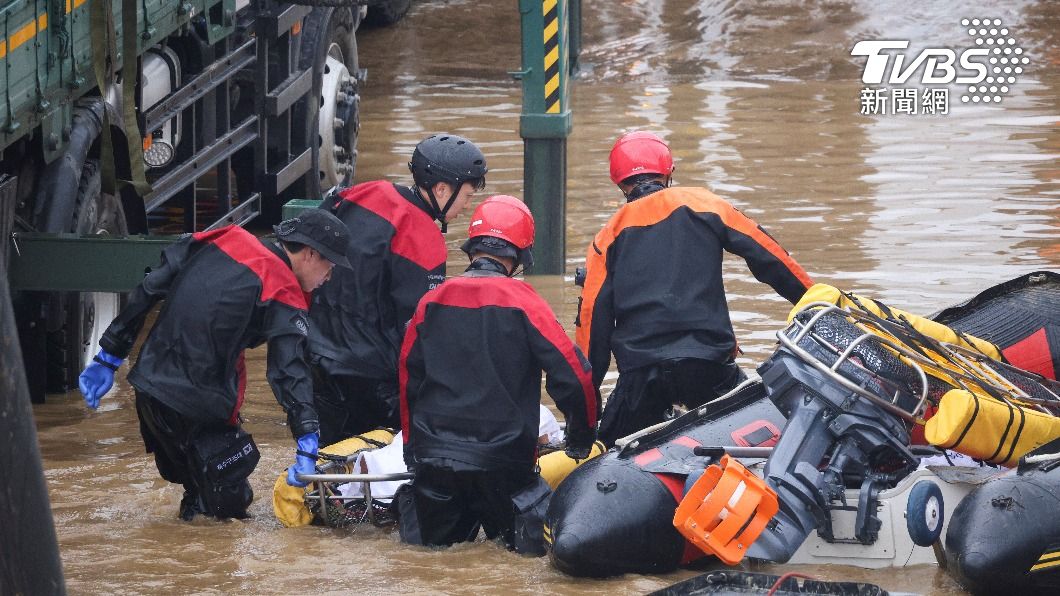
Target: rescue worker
column 470, row 373
column 653, row 292
column 224, row 290
column 398, row 254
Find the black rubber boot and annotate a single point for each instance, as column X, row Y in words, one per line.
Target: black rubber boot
column 190, row 505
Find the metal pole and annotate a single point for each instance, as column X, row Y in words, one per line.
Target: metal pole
column 29, row 551
column 575, row 39
column 544, row 125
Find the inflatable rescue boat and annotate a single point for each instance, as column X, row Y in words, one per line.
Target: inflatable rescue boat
column 851, row 385
column 1004, row 537
column 614, row 514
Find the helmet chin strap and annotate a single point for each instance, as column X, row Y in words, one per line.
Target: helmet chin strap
column 440, row 213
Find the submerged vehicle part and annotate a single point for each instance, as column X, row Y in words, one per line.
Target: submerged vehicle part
column 211, row 109
column 338, row 125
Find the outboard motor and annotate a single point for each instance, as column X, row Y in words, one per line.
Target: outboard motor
column 850, row 404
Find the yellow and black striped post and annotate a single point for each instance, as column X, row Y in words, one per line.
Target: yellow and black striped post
column 550, row 38
column 544, row 125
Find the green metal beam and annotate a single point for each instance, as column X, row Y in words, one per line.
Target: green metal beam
column 72, row 263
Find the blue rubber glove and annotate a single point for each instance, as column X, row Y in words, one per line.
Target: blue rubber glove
column 305, row 460
column 97, row 378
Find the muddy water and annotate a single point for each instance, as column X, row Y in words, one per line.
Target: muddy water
column 760, row 103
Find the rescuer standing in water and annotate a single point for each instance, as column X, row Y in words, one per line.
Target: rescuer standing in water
column 225, row 290
column 470, row 379
column 653, row 293
column 397, row 255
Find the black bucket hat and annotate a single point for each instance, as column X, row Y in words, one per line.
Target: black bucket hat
column 319, row 230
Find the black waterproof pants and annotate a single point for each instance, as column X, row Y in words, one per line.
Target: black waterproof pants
column 212, row 460
column 441, row 507
column 643, row 395
column 349, row 406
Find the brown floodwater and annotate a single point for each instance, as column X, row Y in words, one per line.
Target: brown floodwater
column 760, row 102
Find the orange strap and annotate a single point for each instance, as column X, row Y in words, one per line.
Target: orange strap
column 726, row 510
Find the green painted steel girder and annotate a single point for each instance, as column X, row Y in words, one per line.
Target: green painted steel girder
column 72, row 263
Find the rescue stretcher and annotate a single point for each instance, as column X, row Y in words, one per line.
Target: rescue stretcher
column 340, row 493
column 356, row 479
column 322, row 493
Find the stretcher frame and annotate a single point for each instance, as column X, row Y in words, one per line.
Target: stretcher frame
column 320, row 480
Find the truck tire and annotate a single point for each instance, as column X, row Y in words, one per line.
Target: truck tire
column 82, row 317
column 386, row 12
column 329, row 49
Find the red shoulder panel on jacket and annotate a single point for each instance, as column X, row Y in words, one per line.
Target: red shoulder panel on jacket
column 510, row 293
column 416, row 236
column 277, row 280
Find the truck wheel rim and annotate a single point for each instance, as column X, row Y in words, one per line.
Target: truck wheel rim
column 339, row 104
column 98, row 309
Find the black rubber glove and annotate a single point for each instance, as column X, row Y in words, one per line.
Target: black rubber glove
column 577, row 452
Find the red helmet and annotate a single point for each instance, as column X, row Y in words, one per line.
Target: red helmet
column 503, row 217
column 640, row 152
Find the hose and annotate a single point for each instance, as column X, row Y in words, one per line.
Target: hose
column 789, row 575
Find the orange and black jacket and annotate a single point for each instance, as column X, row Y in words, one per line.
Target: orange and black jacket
column 653, row 287
column 397, row 253
column 224, row 291
column 470, row 374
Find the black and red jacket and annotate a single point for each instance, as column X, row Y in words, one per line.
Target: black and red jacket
column 653, row 287
column 470, row 374
column 397, row 253
column 224, row 291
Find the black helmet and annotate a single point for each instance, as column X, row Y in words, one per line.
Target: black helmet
column 447, row 158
